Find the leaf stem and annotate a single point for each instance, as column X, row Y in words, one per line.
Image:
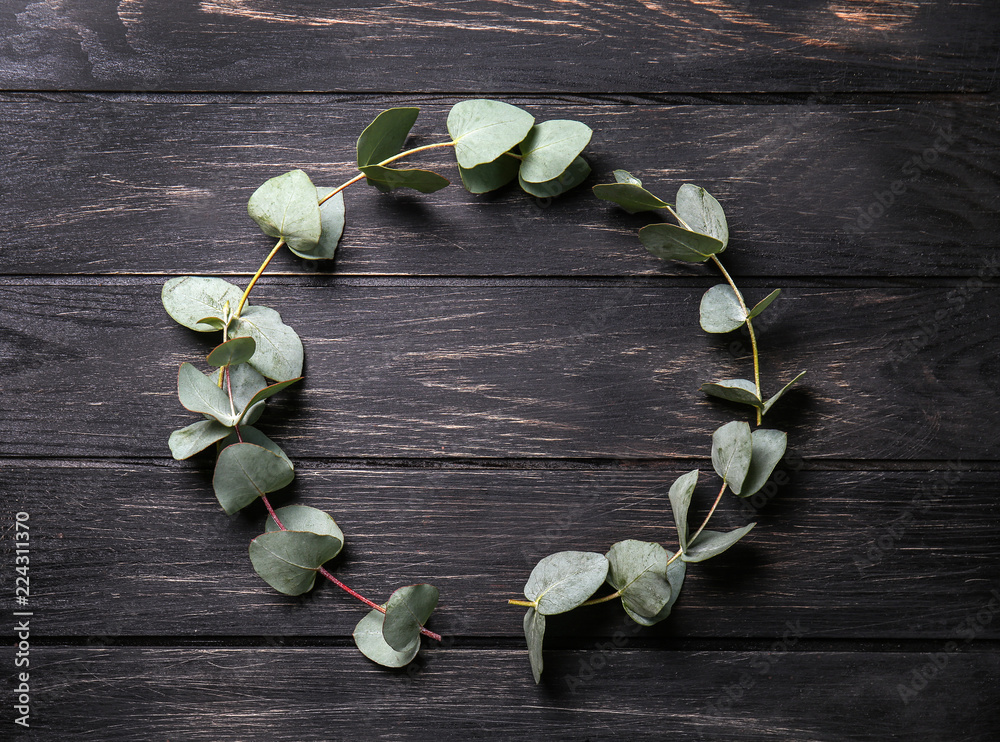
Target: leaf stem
column 257, row 275
column 525, row 603
column 400, row 156
column 753, row 336
column 605, row 599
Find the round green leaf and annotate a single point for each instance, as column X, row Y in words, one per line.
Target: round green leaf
column 331, row 215
column 406, row 611
column 712, row 543
column 562, row 581
column 245, row 383
column 764, row 303
column 232, row 352
column 575, row 174
column 196, row 437
column 534, row 633
column 702, row 213
column 550, row 147
column 288, row 207
column 190, row 300
column 199, row 393
column 638, row 570
column 482, row 130
column 732, row 449
column 490, row 175
column 670, row 242
column 387, row 179
column 734, row 390
column 279, row 350
column 385, row 136
column 680, row 499
column 288, row 560
column 630, row 196
column 369, row 639
column 245, row 471
column 770, row 403
column 304, row 518
column 721, row 310
column 768, row 446
column 250, row 434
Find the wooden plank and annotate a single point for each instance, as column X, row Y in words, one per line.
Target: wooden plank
column 331, row 693
column 476, row 369
column 729, row 45
column 144, row 550
column 811, row 190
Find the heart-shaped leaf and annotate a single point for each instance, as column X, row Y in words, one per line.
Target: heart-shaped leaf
column 712, row 543
column 279, row 350
column 721, row 310
column 385, row 136
column 265, row 393
column 735, row 390
column 768, row 446
column 199, row 393
column 680, row 499
column 232, row 352
column 770, row 403
column 369, row 639
column 638, row 570
column 482, row 130
column 562, row 581
column 406, row 611
column 245, row 471
column 490, row 175
column 551, row 147
column 702, row 213
column 575, row 174
column 670, row 242
column 764, row 303
column 331, row 216
column 534, row 633
column 196, row 437
column 732, row 449
column 387, row 179
column 191, row 300
column 287, row 207
column 288, row 560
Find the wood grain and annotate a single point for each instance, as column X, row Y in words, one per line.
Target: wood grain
column 482, row 47
column 119, row 693
column 147, row 186
column 132, row 549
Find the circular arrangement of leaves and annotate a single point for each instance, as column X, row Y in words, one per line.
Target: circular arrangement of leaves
column 259, row 356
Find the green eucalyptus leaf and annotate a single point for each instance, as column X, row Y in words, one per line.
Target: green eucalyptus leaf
column 369, row 639
column 287, row 207
column 675, row 576
column 721, row 310
column 575, row 174
column 250, row 434
column 770, row 403
column 735, row 390
column 670, row 242
column 385, row 136
column 304, row 518
column 630, row 196
column 190, row 300
column 562, row 581
column 216, row 323
column 624, row 176
column 764, row 303
column 550, row 148
column 196, row 437
column 712, row 543
column 638, row 570
column 245, row 471
column 232, row 352
column 702, row 213
column 680, row 499
column 387, row 179
column 288, row 560
column 406, row 611
column 199, row 393
column 265, row 393
column 490, row 175
column 534, row 633
column 279, row 350
column 768, row 446
column 732, row 448
column 331, row 216
column 482, row 130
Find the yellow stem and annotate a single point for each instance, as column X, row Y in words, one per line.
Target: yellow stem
column 257, row 275
column 605, row 599
column 524, row 603
column 753, row 336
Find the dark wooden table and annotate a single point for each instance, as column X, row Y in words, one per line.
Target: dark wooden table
column 492, row 379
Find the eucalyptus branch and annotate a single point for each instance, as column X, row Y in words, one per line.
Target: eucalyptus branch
column 256, row 345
